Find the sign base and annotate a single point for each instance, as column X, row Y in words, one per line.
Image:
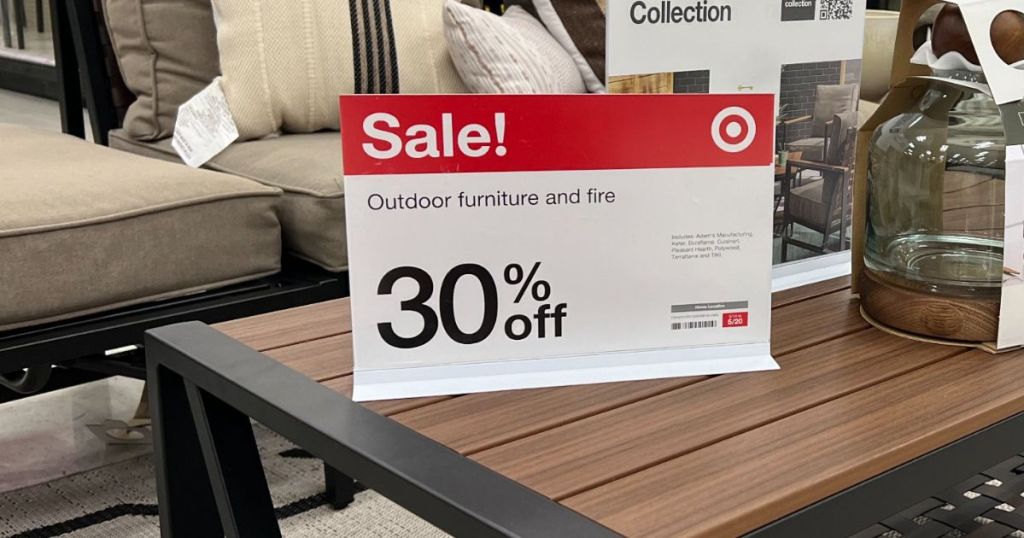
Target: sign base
column 561, row 371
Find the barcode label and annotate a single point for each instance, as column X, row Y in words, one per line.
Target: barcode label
column 706, row 324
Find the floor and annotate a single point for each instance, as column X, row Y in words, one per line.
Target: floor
column 30, row 111
column 120, row 501
column 47, row 436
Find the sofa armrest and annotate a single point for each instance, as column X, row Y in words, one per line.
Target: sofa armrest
column 800, row 119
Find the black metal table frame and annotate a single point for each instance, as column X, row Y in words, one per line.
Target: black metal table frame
column 204, row 387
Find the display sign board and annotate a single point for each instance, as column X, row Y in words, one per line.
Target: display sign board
column 513, row 241
column 806, row 52
column 786, row 47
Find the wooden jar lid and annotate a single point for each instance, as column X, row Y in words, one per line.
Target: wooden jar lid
column 949, row 33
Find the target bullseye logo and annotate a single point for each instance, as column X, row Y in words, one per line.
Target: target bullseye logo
column 733, row 129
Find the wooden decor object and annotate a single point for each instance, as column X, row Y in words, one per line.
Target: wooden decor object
column 966, row 320
column 950, row 34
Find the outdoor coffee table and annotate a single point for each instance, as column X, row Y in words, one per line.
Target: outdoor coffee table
column 856, row 426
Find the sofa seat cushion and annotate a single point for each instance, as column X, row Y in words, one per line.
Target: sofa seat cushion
column 812, row 149
column 85, row 228
column 307, row 167
column 808, row 206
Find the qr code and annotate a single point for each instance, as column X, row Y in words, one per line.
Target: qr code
column 836, row 10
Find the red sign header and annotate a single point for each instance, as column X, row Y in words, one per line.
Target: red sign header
column 422, row 134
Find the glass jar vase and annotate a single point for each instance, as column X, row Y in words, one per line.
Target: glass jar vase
column 935, row 213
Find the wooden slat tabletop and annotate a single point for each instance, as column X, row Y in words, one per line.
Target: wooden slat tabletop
column 737, row 451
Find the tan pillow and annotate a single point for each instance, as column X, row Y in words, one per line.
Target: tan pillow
column 167, row 52
column 284, row 62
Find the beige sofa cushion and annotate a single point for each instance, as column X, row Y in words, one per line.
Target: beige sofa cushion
column 307, row 167
column 811, row 149
column 167, row 52
column 807, row 206
column 285, row 63
column 85, row 228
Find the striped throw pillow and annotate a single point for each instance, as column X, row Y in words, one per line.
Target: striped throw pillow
column 284, row 62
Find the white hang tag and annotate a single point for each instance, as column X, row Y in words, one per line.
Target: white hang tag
column 204, row 126
column 1006, row 81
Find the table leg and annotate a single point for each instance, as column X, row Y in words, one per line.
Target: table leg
column 187, row 506
column 210, row 480
column 40, row 27
column 341, row 489
column 233, row 466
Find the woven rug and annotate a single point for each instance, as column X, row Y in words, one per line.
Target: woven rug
column 120, row 501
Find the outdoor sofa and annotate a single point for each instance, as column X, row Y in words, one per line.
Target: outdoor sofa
column 99, row 245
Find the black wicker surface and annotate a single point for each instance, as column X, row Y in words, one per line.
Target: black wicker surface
column 988, row 505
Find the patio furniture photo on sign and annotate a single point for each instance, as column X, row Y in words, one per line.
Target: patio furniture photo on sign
column 816, row 195
column 812, row 131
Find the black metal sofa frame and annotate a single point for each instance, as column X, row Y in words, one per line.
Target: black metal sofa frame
column 26, row 355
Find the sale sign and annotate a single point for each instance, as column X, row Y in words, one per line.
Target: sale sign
column 513, row 241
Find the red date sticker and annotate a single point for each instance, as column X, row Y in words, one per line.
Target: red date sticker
column 735, row 319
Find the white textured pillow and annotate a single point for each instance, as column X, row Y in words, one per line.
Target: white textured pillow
column 492, row 56
column 284, row 62
column 567, row 76
column 579, row 26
